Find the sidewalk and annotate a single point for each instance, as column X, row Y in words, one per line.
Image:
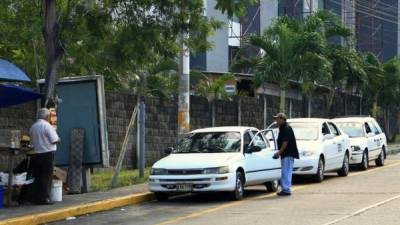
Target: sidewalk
column 393, row 149
column 76, row 205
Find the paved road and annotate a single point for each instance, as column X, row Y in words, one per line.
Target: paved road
column 364, row 197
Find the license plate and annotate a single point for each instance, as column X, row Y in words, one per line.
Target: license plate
column 184, row 187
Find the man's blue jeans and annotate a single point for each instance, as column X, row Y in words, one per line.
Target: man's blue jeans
column 287, row 171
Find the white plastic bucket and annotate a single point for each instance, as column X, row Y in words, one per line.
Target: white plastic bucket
column 56, row 191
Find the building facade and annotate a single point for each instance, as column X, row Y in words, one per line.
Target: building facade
column 375, row 24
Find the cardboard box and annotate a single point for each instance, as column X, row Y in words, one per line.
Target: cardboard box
column 60, row 174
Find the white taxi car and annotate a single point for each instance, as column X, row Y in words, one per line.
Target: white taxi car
column 367, row 140
column 217, row 159
column 323, row 147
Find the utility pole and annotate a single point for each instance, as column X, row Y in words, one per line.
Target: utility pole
column 184, row 85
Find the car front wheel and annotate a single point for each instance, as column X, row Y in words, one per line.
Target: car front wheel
column 364, row 163
column 237, row 194
column 272, row 186
column 344, row 171
column 319, row 176
column 381, row 160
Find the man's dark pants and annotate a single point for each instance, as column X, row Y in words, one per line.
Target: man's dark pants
column 43, row 173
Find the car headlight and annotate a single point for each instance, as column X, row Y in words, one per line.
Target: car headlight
column 307, row 153
column 157, row 171
column 217, row 170
column 355, row 148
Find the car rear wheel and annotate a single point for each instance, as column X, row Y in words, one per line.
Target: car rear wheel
column 319, row 176
column 344, row 171
column 237, row 194
column 272, row 186
column 161, row 196
column 364, row 162
column 380, row 161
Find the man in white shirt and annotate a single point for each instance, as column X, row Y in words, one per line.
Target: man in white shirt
column 44, row 139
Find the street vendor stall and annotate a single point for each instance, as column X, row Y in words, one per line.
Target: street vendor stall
column 10, row 95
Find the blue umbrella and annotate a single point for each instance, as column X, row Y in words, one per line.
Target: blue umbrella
column 13, row 95
column 10, row 72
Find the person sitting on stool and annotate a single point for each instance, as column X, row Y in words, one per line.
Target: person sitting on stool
column 44, row 139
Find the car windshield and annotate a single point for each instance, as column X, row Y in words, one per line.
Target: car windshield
column 305, row 131
column 210, row 142
column 351, row 128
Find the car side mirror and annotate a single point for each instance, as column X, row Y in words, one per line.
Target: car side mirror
column 328, row 136
column 252, row 149
column 370, row 134
column 168, row 150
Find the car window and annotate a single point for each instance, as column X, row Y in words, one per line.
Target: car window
column 353, row 129
column 246, row 140
column 377, row 127
column 259, row 141
column 333, row 129
column 210, row 142
column 305, row 131
column 373, row 128
column 367, row 128
column 325, row 129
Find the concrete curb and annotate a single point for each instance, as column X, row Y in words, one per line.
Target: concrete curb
column 79, row 210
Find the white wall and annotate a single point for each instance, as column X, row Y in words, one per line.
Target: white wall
column 268, row 13
column 217, row 57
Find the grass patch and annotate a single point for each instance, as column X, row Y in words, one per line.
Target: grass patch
column 101, row 181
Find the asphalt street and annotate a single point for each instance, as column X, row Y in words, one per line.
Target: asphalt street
column 369, row 197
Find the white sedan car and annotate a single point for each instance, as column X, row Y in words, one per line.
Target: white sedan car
column 323, row 147
column 367, row 140
column 217, row 159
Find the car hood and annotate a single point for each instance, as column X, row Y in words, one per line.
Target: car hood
column 307, row 145
column 358, row 141
column 196, row 160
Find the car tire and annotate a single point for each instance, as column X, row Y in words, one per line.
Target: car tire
column 319, row 176
column 161, row 196
column 364, row 162
column 344, row 171
column 237, row 194
column 380, row 161
column 272, row 186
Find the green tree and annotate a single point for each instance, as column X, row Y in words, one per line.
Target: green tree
column 375, row 75
column 348, row 71
column 214, row 89
column 290, row 50
column 390, row 93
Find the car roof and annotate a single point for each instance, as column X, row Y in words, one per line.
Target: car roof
column 224, row 129
column 308, row 120
column 354, row 119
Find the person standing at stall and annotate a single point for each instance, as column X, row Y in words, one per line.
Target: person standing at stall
column 44, row 139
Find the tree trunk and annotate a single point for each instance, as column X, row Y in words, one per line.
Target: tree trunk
column 265, row 111
column 239, row 108
column 331, row 96
column 282, row 103
column 54, row 49
column 213, row 113
column 386, row 119
column 309, row 97
column 375, row 106
column 345, row 103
